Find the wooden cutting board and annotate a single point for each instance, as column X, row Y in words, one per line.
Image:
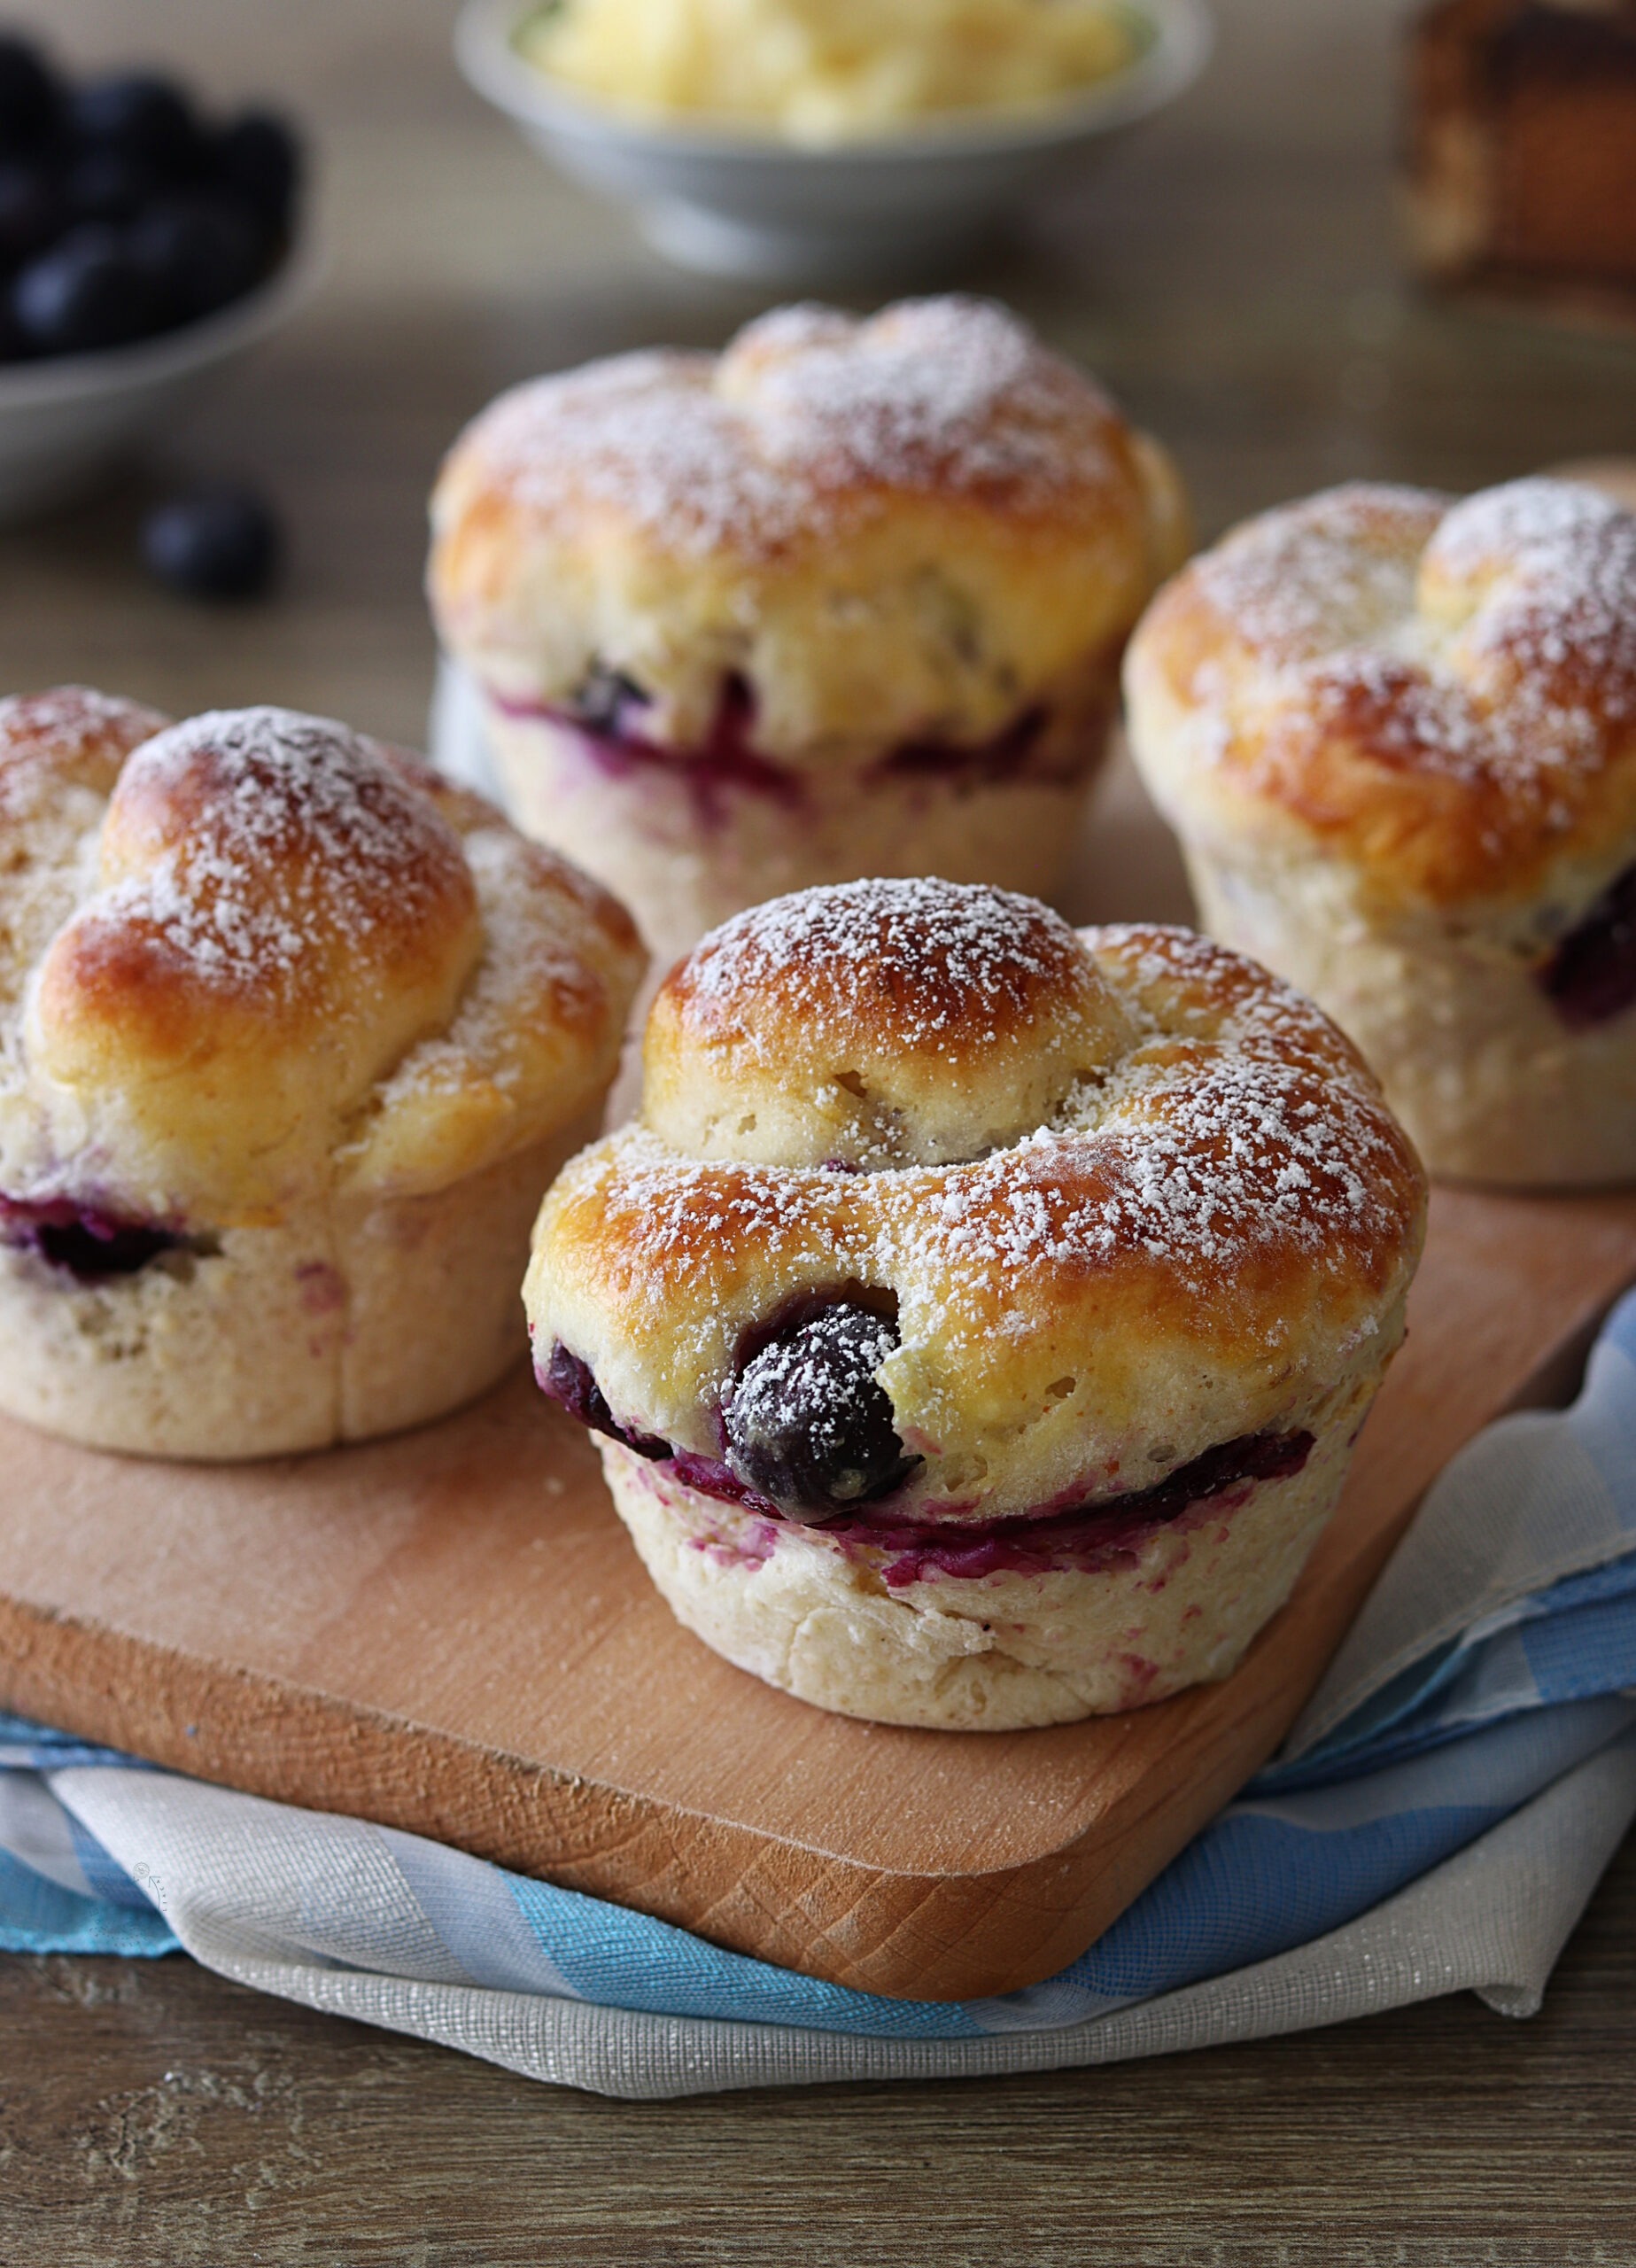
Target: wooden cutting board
column 449, row 1633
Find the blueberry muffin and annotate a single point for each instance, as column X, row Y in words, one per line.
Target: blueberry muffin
column 979, row 1320
column 292, row 1038
column 848, row 598
column 1397, row 737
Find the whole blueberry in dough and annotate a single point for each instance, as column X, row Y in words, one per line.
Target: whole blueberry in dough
column 809, row 1424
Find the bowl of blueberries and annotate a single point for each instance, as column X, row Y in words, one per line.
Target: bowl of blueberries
column 143, row 247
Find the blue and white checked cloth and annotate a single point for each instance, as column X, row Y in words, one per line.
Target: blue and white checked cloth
column 1435, row 1822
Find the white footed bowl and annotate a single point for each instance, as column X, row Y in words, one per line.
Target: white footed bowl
column 770, row 211
column 63, row 420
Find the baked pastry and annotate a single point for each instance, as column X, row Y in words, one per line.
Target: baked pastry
column 292, row 1036
column 980, row 1317
column 848, row 599
column 1397, row 737
column 1520, row 148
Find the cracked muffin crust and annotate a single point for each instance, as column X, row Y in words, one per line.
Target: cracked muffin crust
column 1396, row 734
column 291, row 1037
column 847, row 598
column 978, row 1318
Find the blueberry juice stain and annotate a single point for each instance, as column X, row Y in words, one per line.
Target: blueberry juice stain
column 807, row 1429
column 607, row 717
column 810, row 1439
column 1088, row 1536
column 1591, row 977
column 87, row 1244
column 571, row 1384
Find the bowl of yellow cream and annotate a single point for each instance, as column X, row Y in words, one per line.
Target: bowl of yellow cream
column 813, row 141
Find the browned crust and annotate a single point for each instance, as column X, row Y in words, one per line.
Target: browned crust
column 281, row 911
column 1214, row 1235
column 1453, row 738
column 811, row 993
column 69, row 736
column 235, row 906
column 972, row 512
column 1199, row 1003
column 568, row 994
column 748, row 455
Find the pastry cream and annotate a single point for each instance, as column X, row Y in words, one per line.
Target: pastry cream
column 824, row 71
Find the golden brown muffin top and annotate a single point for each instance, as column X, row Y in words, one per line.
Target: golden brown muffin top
column 1186, row 1238
column 257, row 950
column 906, row 525
column 1442, row 694
column 875, row 1023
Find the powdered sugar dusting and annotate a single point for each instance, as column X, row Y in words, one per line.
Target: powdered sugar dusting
column 953, row 957
column 1239, row 1156
column 643, row 437
column 1562, row 616
column 1219, row 1134
column 65, row 729
column 1491, row 640
column 537, row 1006
column 1540, row 524
column 257, row 840
column 668, row 1204
column 951, row 391
column 1337, row 569
column 806, row 416
column 1237, row 1122
column 1410, row 718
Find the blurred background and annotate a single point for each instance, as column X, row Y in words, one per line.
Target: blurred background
column 1233, row 269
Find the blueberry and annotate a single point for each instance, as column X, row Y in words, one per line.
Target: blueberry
column 213, row 543
column 95, row 1250
column 197, row 256
column 259, row 161
column 84, row 294
column 1591, row 977
column 31, row 213
column 142, row 117
column 109, row 184
column 607, row 700
column 31, row 101
column 808, row 1424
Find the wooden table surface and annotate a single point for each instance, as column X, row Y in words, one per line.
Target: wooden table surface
column 1232, row 273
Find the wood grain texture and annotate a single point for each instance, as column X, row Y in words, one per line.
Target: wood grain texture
column 152, row 2116
column 449, row 1633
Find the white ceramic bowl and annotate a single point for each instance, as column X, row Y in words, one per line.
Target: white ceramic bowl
column 772, row 210
column 64, row 421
